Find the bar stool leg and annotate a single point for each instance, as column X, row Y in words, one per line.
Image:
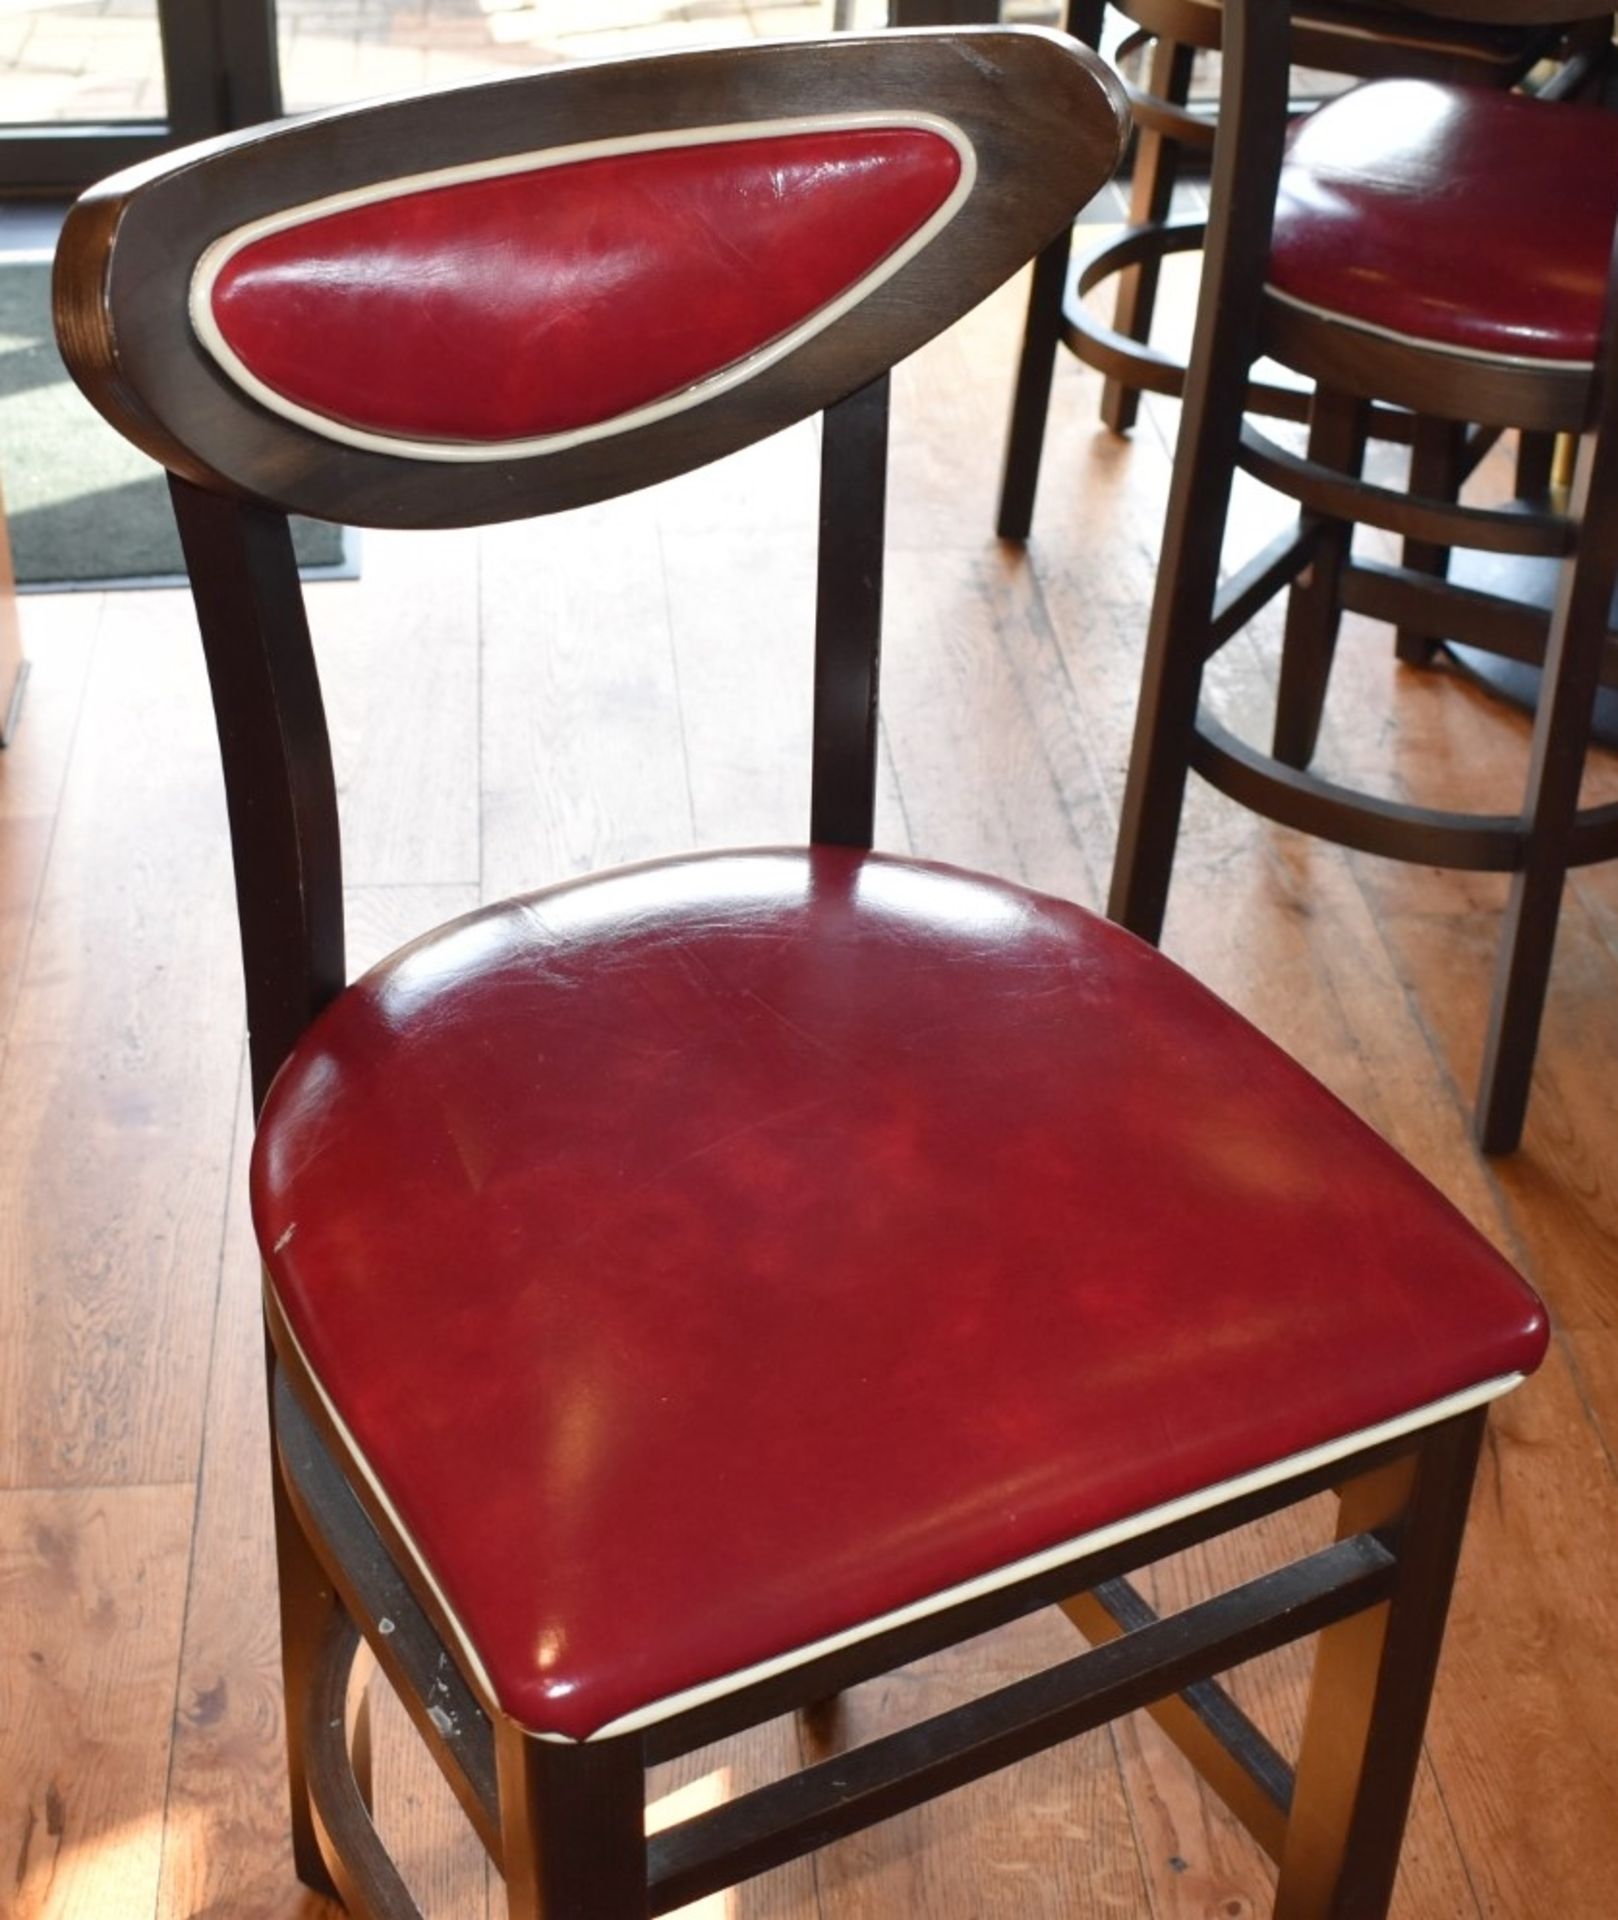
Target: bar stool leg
column 1437, row 460
column 1178, row 637
column 1036, row 366
column 1337, row 434
column 1536, row 461
column 1573, row 659
column 1156, row 168
column 1042, row 334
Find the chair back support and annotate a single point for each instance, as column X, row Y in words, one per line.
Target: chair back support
column 508, row 299
column 505, row 299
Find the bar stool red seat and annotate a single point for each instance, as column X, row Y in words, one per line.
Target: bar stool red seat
column 1387, row 190
column 1362, row 41
column 696, row 1289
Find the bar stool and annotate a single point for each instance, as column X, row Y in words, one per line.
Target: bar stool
column 1437, row 248
column 1358, row 38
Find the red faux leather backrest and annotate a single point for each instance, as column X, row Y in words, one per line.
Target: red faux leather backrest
column 570, row 296
column 509, row 298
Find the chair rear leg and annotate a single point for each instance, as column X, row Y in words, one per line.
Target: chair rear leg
column 1437, row 461
column 1156, row 167
column 1314, row 608
column 572, row 1823
column 1372, row 1682
column 308, row 1605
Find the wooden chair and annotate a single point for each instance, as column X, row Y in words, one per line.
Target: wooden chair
column 1378, row 288
column 698, row 1288
column 1365, row 39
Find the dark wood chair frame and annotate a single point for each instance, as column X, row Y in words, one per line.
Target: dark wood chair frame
column 1167, row 128
column 1194, row 615
column 565, row 1822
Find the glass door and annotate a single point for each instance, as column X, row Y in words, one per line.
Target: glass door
column 87, row 86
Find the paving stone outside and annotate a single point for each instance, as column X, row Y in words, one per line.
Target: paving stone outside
column 99, row 59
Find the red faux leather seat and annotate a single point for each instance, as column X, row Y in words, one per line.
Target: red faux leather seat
column 1452, row 217
column 625, row 1227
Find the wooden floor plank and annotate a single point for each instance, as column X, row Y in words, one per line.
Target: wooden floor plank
column 62, row 630
column 92, row 1588
column 582, row 760
column 118, row 1082
column 226, row 1852
column 739, row 562
column 1051, row 1836
column 398, row 654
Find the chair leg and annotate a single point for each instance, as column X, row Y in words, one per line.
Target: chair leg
column 1437, row 456
column 1314, row 610
column 308, row 1604
column 572, row 1825
column 1372, row 1682
column 1156, row 167
column 1031, row 399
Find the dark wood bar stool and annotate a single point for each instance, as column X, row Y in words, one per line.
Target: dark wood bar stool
column 698, row 1288
column 1434, row 248
column 1363, row 39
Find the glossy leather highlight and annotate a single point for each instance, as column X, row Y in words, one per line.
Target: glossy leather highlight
column 630, row 1226
column 555, row 299
column 1452, row 216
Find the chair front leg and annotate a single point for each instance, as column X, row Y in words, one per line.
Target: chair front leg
column 1372, row 1682
column 573, row 1827
column 309, row 1606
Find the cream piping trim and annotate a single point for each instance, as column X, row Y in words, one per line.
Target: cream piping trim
column 470, row 1661
column 1202, row 1501
column 217, row 256
column 1527, row 361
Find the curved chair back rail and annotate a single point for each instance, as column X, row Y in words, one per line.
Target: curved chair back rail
column 914, row 171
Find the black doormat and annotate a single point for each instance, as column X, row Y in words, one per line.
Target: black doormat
column 84, row 507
